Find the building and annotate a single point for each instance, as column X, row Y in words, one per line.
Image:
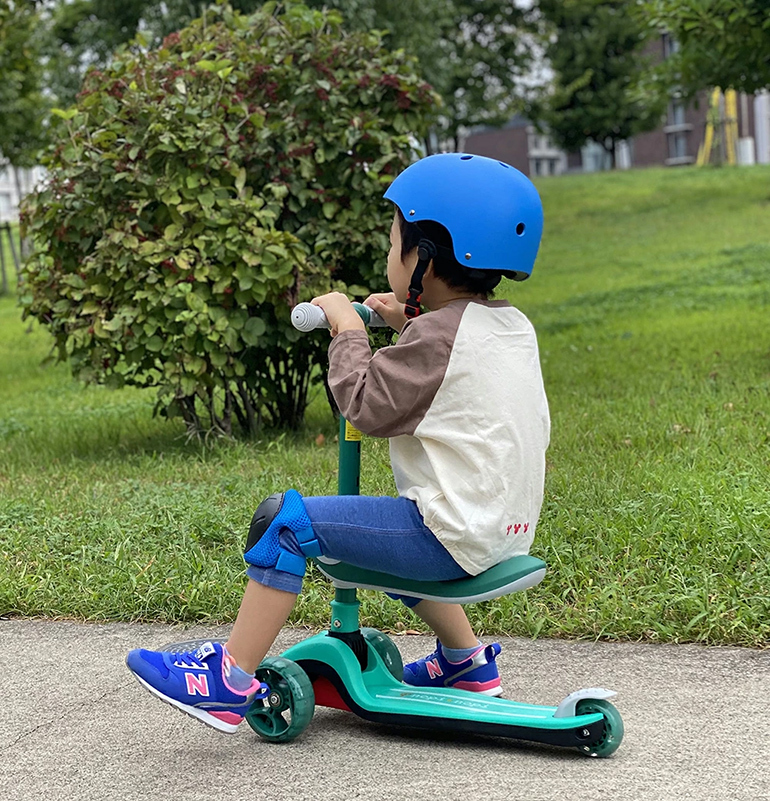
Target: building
column 532, row 152
column 675, row 142
column 519, row 144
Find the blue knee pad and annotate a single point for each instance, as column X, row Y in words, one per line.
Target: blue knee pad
column 263, row 546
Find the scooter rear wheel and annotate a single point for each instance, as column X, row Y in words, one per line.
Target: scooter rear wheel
column 387, row 650
column 611, row 738
column 291, row 701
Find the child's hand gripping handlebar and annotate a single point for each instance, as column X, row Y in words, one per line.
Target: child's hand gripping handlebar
column 306, row 317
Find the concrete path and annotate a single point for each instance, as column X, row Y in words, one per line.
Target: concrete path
column 75, row 725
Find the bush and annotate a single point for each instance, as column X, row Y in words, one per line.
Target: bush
column 197, row 192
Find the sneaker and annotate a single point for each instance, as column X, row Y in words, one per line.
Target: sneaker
column 196, row 682
column 478, row 673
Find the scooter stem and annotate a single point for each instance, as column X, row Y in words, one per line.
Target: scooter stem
column 349, row 478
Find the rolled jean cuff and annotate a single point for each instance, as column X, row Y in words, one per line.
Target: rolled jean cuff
column 406, row 600
column 277, row 579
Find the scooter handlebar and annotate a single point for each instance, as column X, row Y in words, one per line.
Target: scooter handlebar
column 307, row 317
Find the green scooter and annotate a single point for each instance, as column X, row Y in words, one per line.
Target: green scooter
column 360, row 669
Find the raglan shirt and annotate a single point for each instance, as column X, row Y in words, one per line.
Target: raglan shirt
column 461, row 398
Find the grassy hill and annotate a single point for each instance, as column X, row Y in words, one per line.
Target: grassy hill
column 651, row 298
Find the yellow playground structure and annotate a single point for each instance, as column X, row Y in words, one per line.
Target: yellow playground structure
column 722, row 118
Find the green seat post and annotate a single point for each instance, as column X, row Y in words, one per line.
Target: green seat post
column 345, row 608
column 345, row 605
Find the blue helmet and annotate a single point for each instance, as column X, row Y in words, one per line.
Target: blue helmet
column 492, row 211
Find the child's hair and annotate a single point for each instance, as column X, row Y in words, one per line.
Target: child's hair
column 445, row 265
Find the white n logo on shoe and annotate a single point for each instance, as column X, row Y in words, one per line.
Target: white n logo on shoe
column 434, row 669
column 197, row 684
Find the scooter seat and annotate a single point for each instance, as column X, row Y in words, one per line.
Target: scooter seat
column 518, row 573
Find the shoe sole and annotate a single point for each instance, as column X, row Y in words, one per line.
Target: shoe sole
column 493, row 693
column 193, row 712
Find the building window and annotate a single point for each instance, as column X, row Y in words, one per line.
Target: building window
column 670, row 45
column 677, row 145
column 676, row 110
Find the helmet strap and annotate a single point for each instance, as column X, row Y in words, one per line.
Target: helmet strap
column 426, row 251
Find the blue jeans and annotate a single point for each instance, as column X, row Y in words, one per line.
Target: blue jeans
column 384, row 534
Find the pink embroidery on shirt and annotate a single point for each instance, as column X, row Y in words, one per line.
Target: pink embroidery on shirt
column 517, row 527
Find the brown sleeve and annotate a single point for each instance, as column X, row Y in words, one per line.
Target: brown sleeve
column 389, row 393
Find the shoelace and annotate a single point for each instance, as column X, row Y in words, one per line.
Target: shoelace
column 186, row 659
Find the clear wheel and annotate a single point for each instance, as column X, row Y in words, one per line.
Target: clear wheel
column 291, row 701
column 387, row 650
column 610, row 740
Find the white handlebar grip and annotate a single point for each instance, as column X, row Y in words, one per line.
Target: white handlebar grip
column 306, row 317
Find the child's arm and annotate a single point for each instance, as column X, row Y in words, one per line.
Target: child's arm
column 389, row 393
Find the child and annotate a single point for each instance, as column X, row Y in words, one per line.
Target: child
column 461, row 398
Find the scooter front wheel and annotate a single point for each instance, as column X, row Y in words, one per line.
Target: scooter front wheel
column 291, row 701
column 612, row 736
column 387, row 650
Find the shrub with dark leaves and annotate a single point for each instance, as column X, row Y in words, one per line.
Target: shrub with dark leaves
column 199, row 191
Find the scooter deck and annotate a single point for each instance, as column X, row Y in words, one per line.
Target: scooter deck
column 374, row 694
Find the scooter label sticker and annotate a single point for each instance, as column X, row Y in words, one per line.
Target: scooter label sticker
column 352, row 434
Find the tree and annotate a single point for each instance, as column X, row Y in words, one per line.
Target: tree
column 85, row 33
column 22, row 106
column 596, row 51
column 721, row 42
column 487, row 50
column 198, row 191
column 473, row 53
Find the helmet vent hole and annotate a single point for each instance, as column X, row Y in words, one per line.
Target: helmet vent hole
column 520, row 228
column 465, row 158
column 503, row 164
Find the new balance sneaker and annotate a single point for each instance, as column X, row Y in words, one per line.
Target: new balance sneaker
column 478, row 673
column 197, row 683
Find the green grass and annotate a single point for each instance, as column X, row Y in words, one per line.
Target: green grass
column 651, row 298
